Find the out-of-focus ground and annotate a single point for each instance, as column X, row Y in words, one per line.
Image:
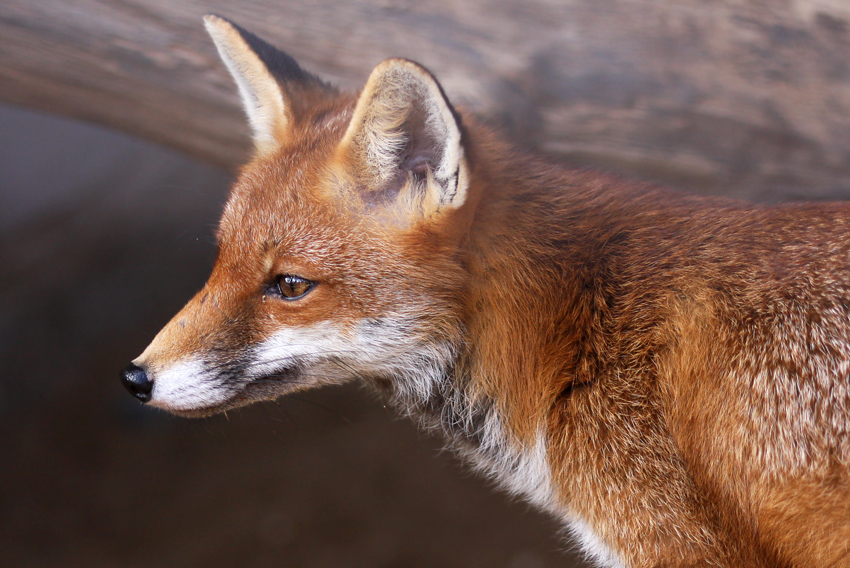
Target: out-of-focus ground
column 102, row 239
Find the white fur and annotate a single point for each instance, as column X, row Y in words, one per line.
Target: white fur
column 591, row 544
column 184, row 386
column 417, row 369
column 525, row 472
column 302, row 345
column 521, row 471
column 334, row 355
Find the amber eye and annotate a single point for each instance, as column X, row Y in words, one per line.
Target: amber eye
column 291, row 287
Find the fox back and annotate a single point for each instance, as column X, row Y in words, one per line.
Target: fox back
column 667, row 375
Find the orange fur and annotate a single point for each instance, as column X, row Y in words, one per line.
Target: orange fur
column 684, row 363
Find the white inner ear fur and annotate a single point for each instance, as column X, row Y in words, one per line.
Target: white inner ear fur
column 379, row 130
column 261, row 95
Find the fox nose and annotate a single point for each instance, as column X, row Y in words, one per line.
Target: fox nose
column 137, row 382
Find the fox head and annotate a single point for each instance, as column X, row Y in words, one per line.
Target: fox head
column 336, row 248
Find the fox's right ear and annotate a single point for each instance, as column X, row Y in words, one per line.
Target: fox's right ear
column 271, row 84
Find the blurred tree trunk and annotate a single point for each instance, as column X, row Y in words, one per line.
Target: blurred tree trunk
column 747, row 99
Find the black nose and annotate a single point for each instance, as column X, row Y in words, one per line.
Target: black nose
column 137, row 382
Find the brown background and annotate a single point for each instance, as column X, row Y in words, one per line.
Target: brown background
column 103, row 237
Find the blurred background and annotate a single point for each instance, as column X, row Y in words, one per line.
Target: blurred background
column 119, row 137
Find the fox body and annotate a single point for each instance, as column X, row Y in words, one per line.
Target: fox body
column 668, row 375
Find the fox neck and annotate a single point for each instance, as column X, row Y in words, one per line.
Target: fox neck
column 488, row 391
column 519, row 289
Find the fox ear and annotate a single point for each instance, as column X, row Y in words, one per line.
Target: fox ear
column 405, row 140
column 271, row 84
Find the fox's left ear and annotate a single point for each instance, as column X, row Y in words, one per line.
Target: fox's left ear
column 275, row 91
column 404, row 140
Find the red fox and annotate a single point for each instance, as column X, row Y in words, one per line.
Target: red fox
column 668, row 375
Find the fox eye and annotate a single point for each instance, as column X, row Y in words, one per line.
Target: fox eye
column 291, row 287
